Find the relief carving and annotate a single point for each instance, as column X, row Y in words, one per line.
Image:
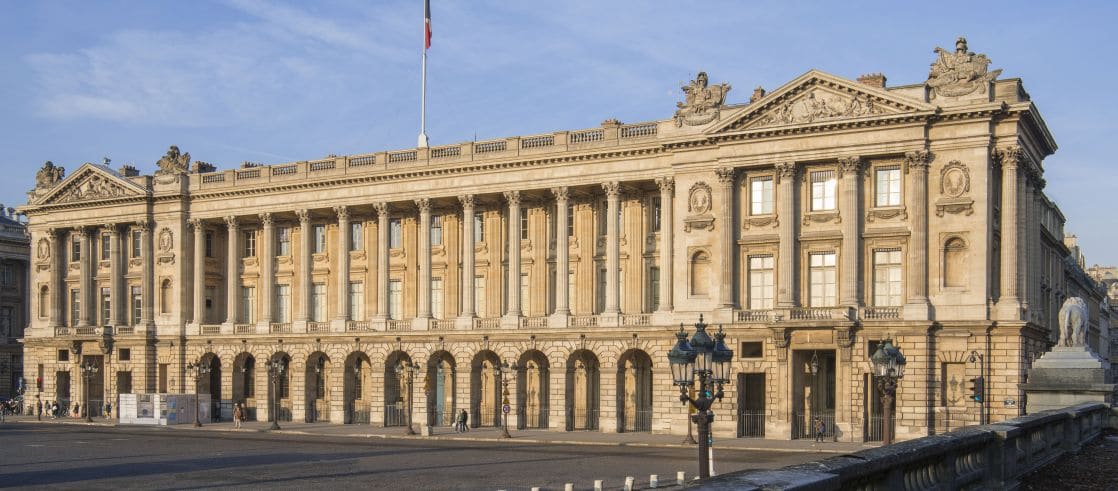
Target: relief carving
column 94, row 187
column 172, row 165
column 48, row 176
column 959, row 73
column 701, row 103
column 166, row 243
column 954, row 190
column 814, row 108
column 698, row 208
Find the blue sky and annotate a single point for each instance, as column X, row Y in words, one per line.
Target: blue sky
column 266, row 81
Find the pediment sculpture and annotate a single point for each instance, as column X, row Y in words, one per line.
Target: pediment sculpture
column 960, row 73
column 171, row 165
column 93, row 187
column 819, row 106
column 49, row 176
column 702, row 103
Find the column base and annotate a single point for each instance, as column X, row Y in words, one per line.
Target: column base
column 917, row 311
column 1009, row 308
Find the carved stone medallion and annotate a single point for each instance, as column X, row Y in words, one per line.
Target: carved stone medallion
column 698, row 208
column 954, row 188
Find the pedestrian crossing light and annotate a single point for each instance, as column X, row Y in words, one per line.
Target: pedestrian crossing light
column 977, row 388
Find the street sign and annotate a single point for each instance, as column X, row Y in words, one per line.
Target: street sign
column 505, row 408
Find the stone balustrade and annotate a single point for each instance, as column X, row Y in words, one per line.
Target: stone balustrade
column 976, row 457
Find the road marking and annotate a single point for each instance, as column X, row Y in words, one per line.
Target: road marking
column 36, row 445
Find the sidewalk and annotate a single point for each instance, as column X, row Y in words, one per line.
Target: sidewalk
column 487, row 434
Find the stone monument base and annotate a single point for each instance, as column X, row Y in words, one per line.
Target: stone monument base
column 1067, row 376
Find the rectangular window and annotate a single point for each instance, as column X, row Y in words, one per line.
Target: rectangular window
column 761, row 283
column 163, row 369
column 888, row 186
column 437, row 230
column 209, row 244
column 479, row 228
column 603, row 225
column 752, row 349
column 211, row 292
column 283, row 241
column 823, row 185
column 761, row 195
column 63, row 355
column 357, row 236
column 75, row 306
column 822, row 281
column 653, row 289
column 570, row 220
column 479, row 296
column 137, row 305
column 318, row 302
column 654, row 211
column 523, row 224
column 105, row 246
column 106, row 307
column 319, row 232
column 437, row 297
column 248, row 304
column 356, row 300
column 75, row 249
column 395, row 299
column 283, row 304
column 395, row 234
column 7, row 276
column 249, row 249
column 137, row 243
column 887, row 273
column 124, row 354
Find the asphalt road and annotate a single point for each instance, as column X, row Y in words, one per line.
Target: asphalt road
column 78, row 457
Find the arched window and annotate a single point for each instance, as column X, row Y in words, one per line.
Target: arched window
column 700, row 273
column 44, row 301
column 955, row 263
column 165, row 297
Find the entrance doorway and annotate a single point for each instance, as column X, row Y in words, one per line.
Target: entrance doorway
column 95, row 406
column 751, row 405
column 813, row 393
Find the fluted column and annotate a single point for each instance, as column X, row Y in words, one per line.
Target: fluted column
column 84, row 277
column 613, row 245
column 232, row 271
column 667, row 232
column 786, row 296
column 467, row 256
column 1009, row 303
column 58, row 268
column 562, row 251
column 267, row 256
column 116, row 277
column 306, row 282
column 916, row 306
column 849, row 292
column 199, row 229
column 343, row 263
column 382, row 260
column 147, row 312
column 513, row 198
column 423, row 309
column 726, row 237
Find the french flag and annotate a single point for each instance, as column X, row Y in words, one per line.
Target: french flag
column 427, row 24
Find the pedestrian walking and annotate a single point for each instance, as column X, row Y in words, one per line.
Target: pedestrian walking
column 38, row 408
column 238, row 415
column 55, row 410
column 820, row 429
column 108, row 410
column 77, row 410
column 465, row 421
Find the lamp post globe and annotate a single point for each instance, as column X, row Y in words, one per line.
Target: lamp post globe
column 710, row 360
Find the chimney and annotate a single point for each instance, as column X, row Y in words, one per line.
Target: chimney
column 876, row 80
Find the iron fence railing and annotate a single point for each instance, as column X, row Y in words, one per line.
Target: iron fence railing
column 636, row 421
column 536, row 418
column 751, row 423
column 582, row 419
column 359, row 413
column 395, row 416
column 485, row 416
column 804, row 424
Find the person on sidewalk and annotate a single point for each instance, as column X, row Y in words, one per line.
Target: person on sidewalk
column 820, row 429
column 108, row 410
column 238, row 415
column 465, row 421
column 55, row 410
column 77, row 410
column 38, row 408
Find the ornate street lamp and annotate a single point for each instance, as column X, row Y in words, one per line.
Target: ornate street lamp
column 89, row 370
column 197, row 370
column 407, row 373
column 505, row 371
column 275, row 370
column 888, row 365
column 711, row 361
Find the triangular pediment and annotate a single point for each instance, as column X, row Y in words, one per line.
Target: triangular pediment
column 91, row 182
column 817, row 97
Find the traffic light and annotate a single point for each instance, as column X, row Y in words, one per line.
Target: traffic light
column 978, row 385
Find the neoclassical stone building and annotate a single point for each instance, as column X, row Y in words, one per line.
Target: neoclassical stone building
column 14, row 293
column 810, row 223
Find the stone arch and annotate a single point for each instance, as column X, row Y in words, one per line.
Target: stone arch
column 315, row 387
column 441, row 388
column 954, row 262
column 396, row 396
column 532, row 389
column 357, row 388
column 244, row 383
column 279, row 388
column 634, row 391
column 583, row 387
column 485, row 392
column 700, row 267
column 211, row 384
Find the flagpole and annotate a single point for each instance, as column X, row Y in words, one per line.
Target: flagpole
column 423, row 96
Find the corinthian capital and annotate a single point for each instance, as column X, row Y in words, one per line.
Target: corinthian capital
column 666, row 184
column 382, row 210
column 231, row 223
column 1011, row 156
column 424, row 205
column 266, row 219
column 467, row 201
column 342, row 212
column 612, row 189
column 304, row 216
column 513, row 197
column 197, row 225
column 917, row 160
column 785, row 170
column 561, row 193
column 725, row 175
column 851, row 165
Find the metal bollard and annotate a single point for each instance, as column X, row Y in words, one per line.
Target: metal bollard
column 536, row 489
column 653, row 481
column 629, row 483
column 569, row 487
column 598, row 485
column 680, row 477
